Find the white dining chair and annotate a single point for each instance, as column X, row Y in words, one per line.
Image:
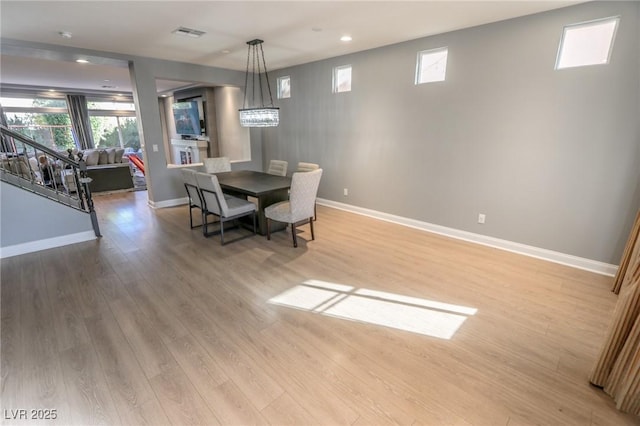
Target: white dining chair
column 307, row 167
column 278, row 167
column 224, row 206
column 217, row 164
column 300, row 206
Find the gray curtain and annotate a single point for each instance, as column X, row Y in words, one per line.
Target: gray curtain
column 80, row 124
column 6, row 143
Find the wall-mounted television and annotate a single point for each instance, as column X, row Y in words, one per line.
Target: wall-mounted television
column 187, row 117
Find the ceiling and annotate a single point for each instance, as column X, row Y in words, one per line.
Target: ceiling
column 295, row 32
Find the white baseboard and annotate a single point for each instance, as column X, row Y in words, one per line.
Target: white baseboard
column 531, row 251
column 168, row 203
column 45, row 244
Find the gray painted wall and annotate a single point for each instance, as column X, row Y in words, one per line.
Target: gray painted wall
column 551, row 157
column 165, row 184
column 26, row 217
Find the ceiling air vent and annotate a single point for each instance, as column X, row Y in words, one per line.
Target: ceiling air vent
column 189, row 32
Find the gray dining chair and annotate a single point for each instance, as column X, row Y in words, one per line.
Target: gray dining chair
column 193, row 193
column 226, row 207
column 278, row 167
column 217, row 164
column 309, row 167
column 299, row 208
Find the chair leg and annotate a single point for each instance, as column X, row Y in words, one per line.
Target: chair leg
column 221, row 231
column 293, row 233
column 315, row 211
column 254, row 223
column 313, row 237
column 190, row 217
column 268, row 229
column 205, row 227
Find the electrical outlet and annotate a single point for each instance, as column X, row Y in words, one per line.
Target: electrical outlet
column 346, row 192
column 481, row 218
column 155, row 148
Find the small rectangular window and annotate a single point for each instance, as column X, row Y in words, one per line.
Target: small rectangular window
column 431, row 65
column 587, row 43
column 342, row 79
column 284, row 87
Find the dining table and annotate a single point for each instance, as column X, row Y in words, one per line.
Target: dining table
column 266, row 188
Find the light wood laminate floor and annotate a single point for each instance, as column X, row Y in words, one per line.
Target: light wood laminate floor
column 370, row 324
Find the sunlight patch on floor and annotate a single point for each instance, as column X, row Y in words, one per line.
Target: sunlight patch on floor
column 413, row 314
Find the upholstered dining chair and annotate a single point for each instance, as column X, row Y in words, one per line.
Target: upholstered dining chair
column 195, row 198
column 224, row 206
column 217, row 164
column 299, row 208
column 307, row 167
column 278, row 167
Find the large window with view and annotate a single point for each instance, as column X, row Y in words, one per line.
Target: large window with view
column 47, row 121
column 114, row 124
column 44, row 120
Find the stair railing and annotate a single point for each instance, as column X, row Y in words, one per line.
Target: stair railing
column 40, row 169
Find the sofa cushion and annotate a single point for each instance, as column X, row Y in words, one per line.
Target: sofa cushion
column 103, row 157
column 91, row 157
column 111, row 154
column 118, row 156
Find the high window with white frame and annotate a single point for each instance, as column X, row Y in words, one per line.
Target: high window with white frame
column 431, row 65
column 587, row 43
column 284, row 87
column 342, row 79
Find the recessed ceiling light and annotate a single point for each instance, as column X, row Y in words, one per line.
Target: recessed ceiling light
column 225, row 51
column 65, row 34
column 82, row 61
column 106, row 80
column 189, row 32
column 346, row 38
column 52, row 90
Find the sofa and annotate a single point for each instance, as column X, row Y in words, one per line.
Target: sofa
column 108, row 168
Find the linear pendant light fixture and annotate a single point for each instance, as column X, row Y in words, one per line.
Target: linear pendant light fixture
column 257, row 116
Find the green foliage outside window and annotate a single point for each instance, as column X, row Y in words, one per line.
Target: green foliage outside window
column 52, row 130
column 105, row 132
column 52, row 127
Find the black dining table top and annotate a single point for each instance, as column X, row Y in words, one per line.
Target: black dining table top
column 252, row 183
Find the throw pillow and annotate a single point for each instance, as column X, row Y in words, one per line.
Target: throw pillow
column 91, row 157
column 118, row 157
column 111, row 154
column 103, row 157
